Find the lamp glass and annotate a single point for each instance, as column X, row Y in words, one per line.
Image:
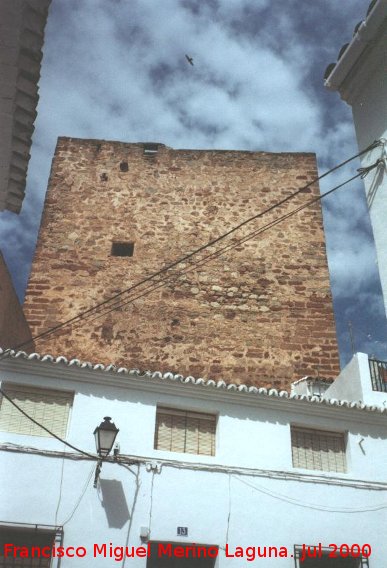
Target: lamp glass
column 105, row 434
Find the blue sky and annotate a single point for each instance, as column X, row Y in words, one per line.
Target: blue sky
column 116, row 70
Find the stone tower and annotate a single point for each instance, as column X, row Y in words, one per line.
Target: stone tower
column 115, row 213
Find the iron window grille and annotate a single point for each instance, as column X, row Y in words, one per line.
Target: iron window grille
column 29, row 536
column 325, row 561
column 378, row 372
column 197, row 555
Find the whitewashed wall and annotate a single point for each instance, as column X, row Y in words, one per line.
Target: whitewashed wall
column 370, row 119
column 248, row 494
column 360, row 77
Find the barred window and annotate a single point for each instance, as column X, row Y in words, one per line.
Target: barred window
column 185, row 431
column 307, row 556
column 316, row 449
column 34, row 539
column 48, row 407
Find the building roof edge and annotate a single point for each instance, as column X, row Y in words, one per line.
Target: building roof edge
column 364, row 34
column 170, row 377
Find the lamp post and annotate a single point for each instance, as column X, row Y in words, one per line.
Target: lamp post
column 104, row 434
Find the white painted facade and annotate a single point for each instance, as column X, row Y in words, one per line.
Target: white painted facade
column 361, row 79
column 248, row 494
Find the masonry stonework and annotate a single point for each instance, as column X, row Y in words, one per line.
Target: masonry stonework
column 260, row 313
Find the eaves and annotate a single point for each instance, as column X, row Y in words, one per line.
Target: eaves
column 176, row 385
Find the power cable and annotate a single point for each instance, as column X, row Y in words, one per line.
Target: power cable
column 95, row 458
column 82, row 314
column 305, row 505
column 82, row 494
column 120, row 304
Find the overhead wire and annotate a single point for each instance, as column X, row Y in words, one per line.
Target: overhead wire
column 91, row 317
column 186, row 257
column 306, row 505
column 82, row 316
column 81, row 496
column 4, row 394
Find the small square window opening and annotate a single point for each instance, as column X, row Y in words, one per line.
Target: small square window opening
column 122, row 249
column 150, row 150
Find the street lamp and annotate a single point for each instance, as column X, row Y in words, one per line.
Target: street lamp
column 104, row 434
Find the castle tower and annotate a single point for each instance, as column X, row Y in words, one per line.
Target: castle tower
column 117, row 212
column 360, row 76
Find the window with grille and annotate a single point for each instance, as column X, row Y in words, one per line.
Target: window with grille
column 306, row 556
column 185, row 431
column 35, row 539
column 316, row 449
column 48, row 407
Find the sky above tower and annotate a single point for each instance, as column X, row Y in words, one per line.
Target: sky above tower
column 117, row 70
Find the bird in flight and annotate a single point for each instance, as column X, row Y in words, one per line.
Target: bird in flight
column 189, row 59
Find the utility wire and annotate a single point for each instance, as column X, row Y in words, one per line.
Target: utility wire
column 305, row 505
column 95, row 458
column 82, row 314
column 81, row 496
column 119, row 304
column 154, row 286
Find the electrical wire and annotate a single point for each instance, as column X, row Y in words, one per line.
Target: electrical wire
column 80, row 497
column 60, row 487
column 95, row 458
column 229, row 508
column 120, row 304
column 186, row 257
column 151, row 502
column 305, row 505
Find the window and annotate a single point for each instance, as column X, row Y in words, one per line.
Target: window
column 122, row 249
column 319, row 557
column 48, row 407
column 189, row 555
column 34, row 538
column 315, row 449
column 185, row 431
column 150, row 150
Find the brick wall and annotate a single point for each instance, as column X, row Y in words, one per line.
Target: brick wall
column 262, row 313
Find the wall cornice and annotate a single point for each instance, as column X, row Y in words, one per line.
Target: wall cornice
column 75, row 372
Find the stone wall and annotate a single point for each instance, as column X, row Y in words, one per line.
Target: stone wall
column 260, row 313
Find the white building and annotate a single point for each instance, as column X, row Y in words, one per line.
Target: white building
column 228, row 468
column 361, row 79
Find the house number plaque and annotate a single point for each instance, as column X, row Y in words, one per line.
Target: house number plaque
column 182, row 531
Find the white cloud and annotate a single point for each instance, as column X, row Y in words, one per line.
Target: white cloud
column 116, row 70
